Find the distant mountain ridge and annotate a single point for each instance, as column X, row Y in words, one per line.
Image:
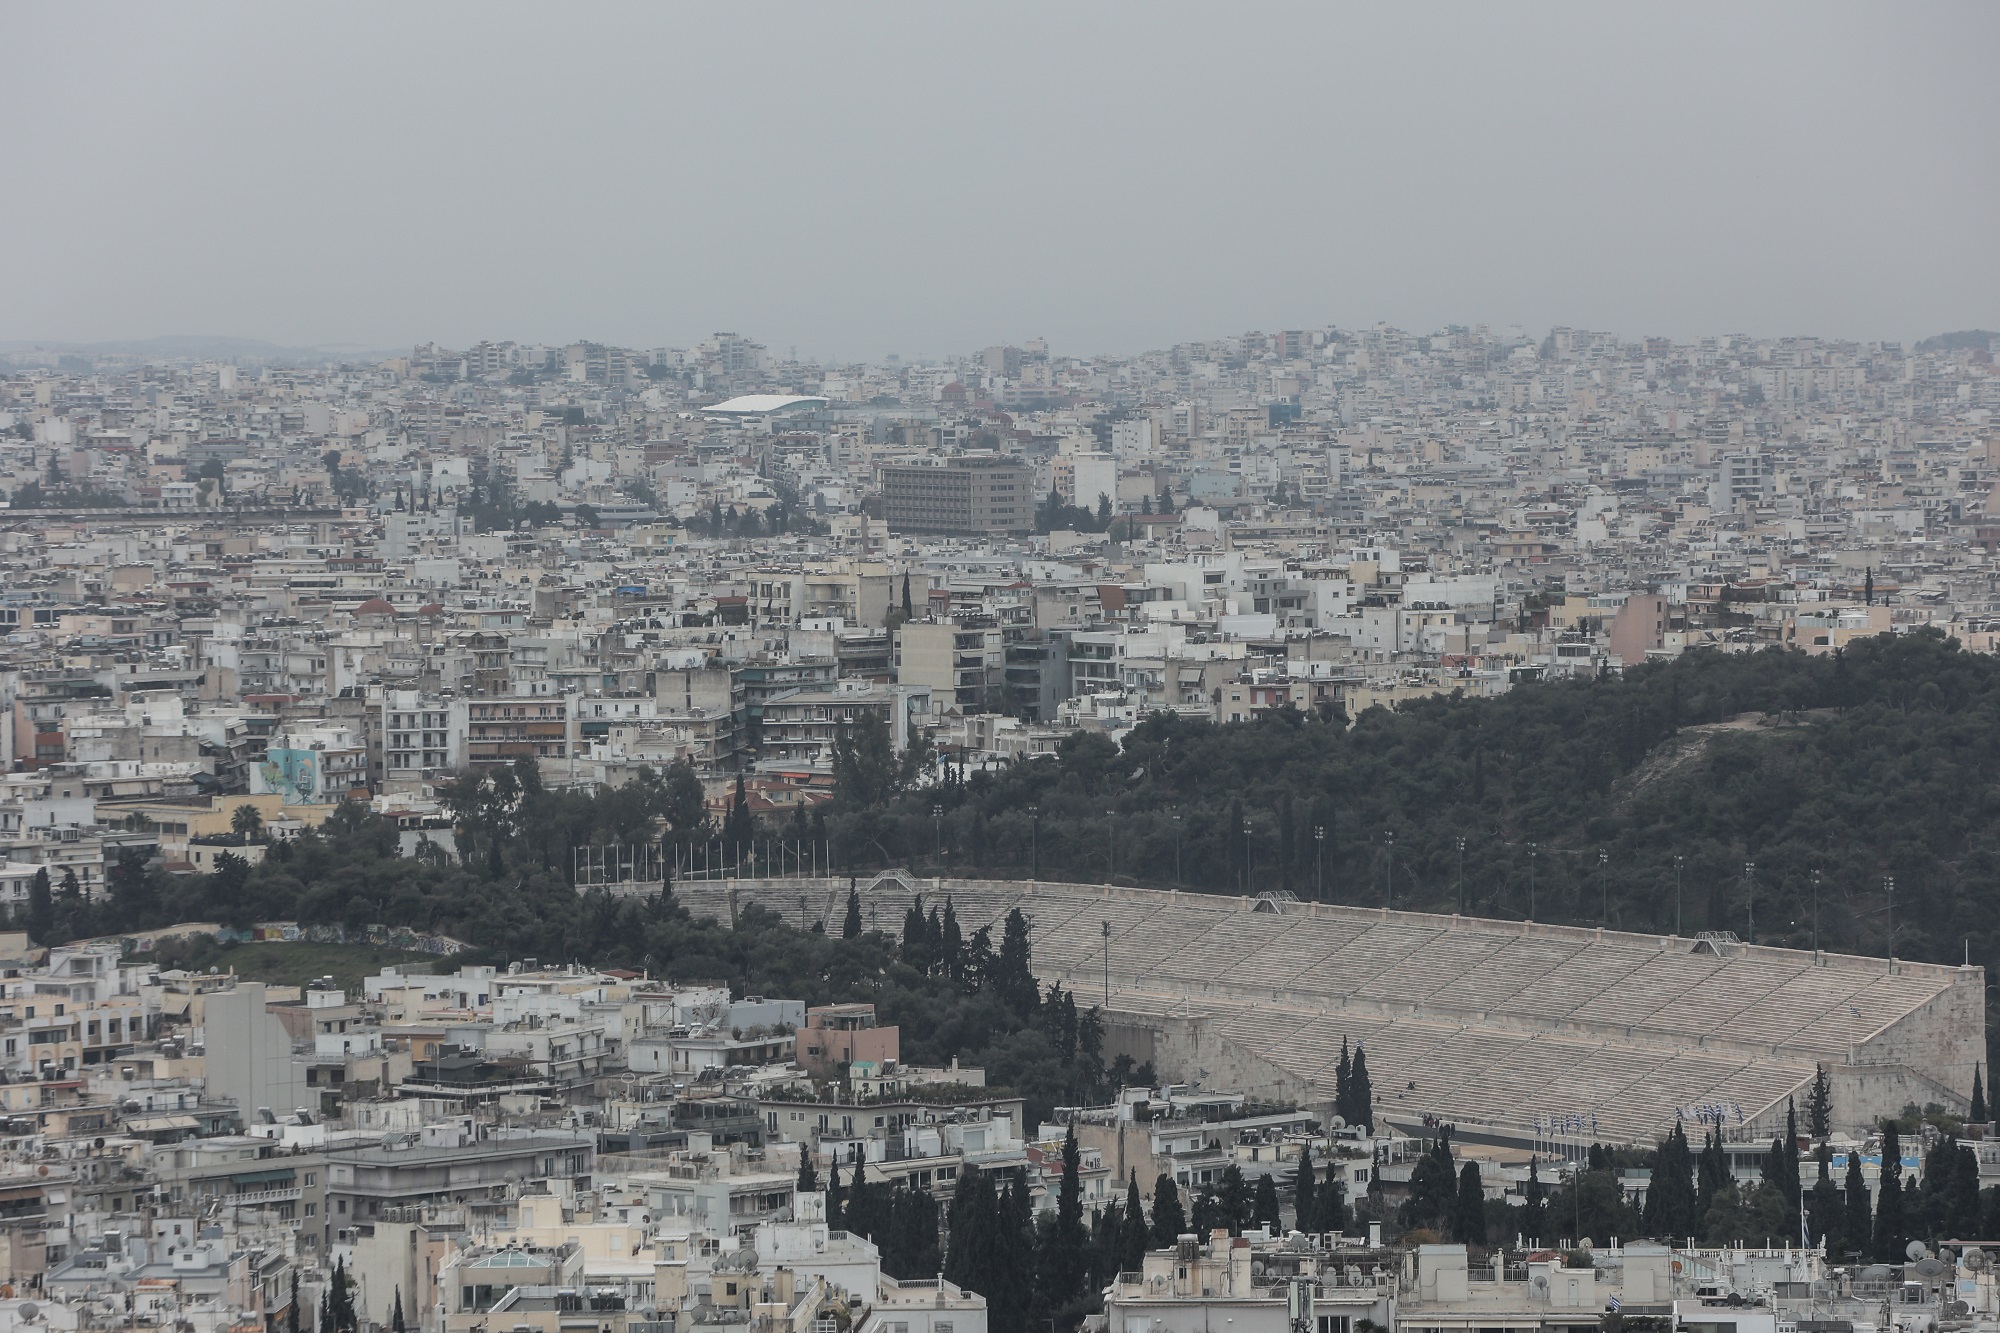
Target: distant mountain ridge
column 195, row 347
column 1952, row 342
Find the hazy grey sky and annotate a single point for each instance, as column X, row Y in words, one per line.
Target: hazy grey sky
column 859, row 179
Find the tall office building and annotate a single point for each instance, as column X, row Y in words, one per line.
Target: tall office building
column 968, row 495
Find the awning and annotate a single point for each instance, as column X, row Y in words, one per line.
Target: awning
column 162, row 1124
column 284, row 1177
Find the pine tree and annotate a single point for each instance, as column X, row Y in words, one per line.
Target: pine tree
column 851, row 926
column 1304, row 1184
column 1169, row 1219
column 1891, row 1234
column 1977, row 1113
column 1468, row 1219
column 1854, row 1218
column 1264, row 1209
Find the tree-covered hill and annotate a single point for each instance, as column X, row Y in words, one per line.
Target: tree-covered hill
column 1577, row 801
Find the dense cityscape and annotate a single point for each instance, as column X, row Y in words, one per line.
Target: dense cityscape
column 784, row 703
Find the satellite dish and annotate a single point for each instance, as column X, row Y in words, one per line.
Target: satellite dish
column 1976, row 1260
column 1540, row 1283
column 30, row 1312
column 1916, row 1249
column 1875, row 1273
column 1929, row 1267
column 1584, row 1245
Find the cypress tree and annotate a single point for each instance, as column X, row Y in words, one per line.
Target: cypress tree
column 41, row 907
column 1304, row 1207
column 950, row 945
column 1330, row 1203
column 851, row 926
column 1468, row 1218
column 1891, row 1229
column 1132, row 1238
column 1671, row 1213
column 1712, row 1171
column 1232, row 1198
column 1363, row 1095
column 1013, row 978
column 1535, row 1198
column 1977, row 1113
column 836, row 1199
column 1169, row 1220
column 1013, row 1281
column 1343, row 1091
column 1962, row 1200
column 968, row 1259
column 1819, row 1103
column 808, row 1176
column 1854, row 1219
column 864, row 1212
column 292, row 1310
column 396, row 1324
column 1264, row 1210
column 1823, row 1204
column 1062, row 1271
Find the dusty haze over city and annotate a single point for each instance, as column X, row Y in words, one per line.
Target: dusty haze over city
column 853, row 181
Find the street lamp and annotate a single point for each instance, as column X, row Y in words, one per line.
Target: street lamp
column 937, row 834
column 1461, row 876
column 1815, row 911
column 1750, row 896
column 1107, row 964
column 1319, row 862
column 1390, row 837
column 1034, row 842
column 1603, row 887
column 1889, row 887
column 1111, row 846
column 1177, row 851
column 1249, row 862
column 1531, row 881
column 1678, row 858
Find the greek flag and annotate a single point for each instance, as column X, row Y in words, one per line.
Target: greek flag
column 1614, row 1303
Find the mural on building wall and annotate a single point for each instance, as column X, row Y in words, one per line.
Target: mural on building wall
column 292, row 774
